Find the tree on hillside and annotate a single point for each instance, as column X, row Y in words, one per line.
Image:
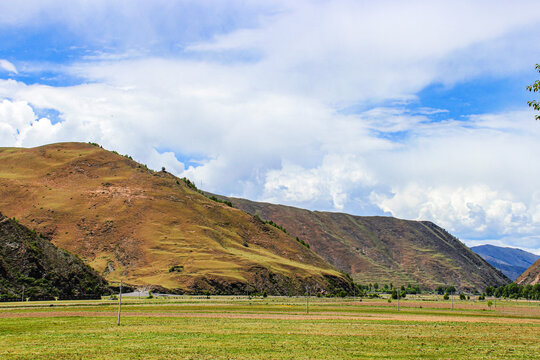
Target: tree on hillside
column 535, row 87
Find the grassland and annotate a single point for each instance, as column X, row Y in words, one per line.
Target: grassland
column 272, row 328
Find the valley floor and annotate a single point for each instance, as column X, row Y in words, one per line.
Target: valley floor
column 272, row 328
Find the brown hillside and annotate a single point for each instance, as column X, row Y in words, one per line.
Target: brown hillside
column 383, row 249
column 531, row 276
column 149, row 228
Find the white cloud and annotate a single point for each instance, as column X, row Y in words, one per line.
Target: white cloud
column 475, row 211
column 332, row 181
column 6, row 65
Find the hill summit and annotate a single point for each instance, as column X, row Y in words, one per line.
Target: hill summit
column 150, row 228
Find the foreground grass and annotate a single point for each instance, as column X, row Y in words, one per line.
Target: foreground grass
column 276, row 328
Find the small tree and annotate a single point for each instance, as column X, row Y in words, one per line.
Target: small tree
column 535, row 87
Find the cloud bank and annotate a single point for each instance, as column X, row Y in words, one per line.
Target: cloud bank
column 314, row 104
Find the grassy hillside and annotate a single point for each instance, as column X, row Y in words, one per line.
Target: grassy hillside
column 150, row 228
column 33, row 267
column 384, row 249
column 531, row 276
column 512, row 262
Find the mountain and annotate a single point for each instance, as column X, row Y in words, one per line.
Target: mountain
column 150, row 228
column 32, row 264
column 512, row 262
column 383, row 249
column 531, row 276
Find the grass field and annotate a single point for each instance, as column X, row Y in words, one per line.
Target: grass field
column 272, row 328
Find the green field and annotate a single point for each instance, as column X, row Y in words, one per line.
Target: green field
column 272, row 328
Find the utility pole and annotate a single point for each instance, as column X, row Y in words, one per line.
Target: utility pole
column 307, row 299
column 452, row 297
column 398, row 301
column 22, row 300
column 120, row 303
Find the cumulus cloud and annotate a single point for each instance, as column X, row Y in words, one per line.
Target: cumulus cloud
column 331, row 181
column 475, row 211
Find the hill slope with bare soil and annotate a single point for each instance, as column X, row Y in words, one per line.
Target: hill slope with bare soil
column 150, row 228
column 383, row 249
column 531, row 276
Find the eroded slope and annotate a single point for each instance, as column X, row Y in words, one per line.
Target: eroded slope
column 384, row 249
column 531, row 276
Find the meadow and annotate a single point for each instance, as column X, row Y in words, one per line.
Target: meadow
column 191, row 327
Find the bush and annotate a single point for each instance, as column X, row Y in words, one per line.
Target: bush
column 176, row 268
column 462, row 296
column 150, row 296
column 302, row 242
column 446, row 296
column 264, row 294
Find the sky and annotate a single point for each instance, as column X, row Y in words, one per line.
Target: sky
column 413, row 109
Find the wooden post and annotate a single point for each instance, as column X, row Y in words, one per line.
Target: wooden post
column 120, row 303
column 307, row 299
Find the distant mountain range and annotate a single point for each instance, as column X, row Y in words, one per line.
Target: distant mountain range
column 512, row 262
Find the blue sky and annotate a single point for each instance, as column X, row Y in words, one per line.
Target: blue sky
column 413, row 109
